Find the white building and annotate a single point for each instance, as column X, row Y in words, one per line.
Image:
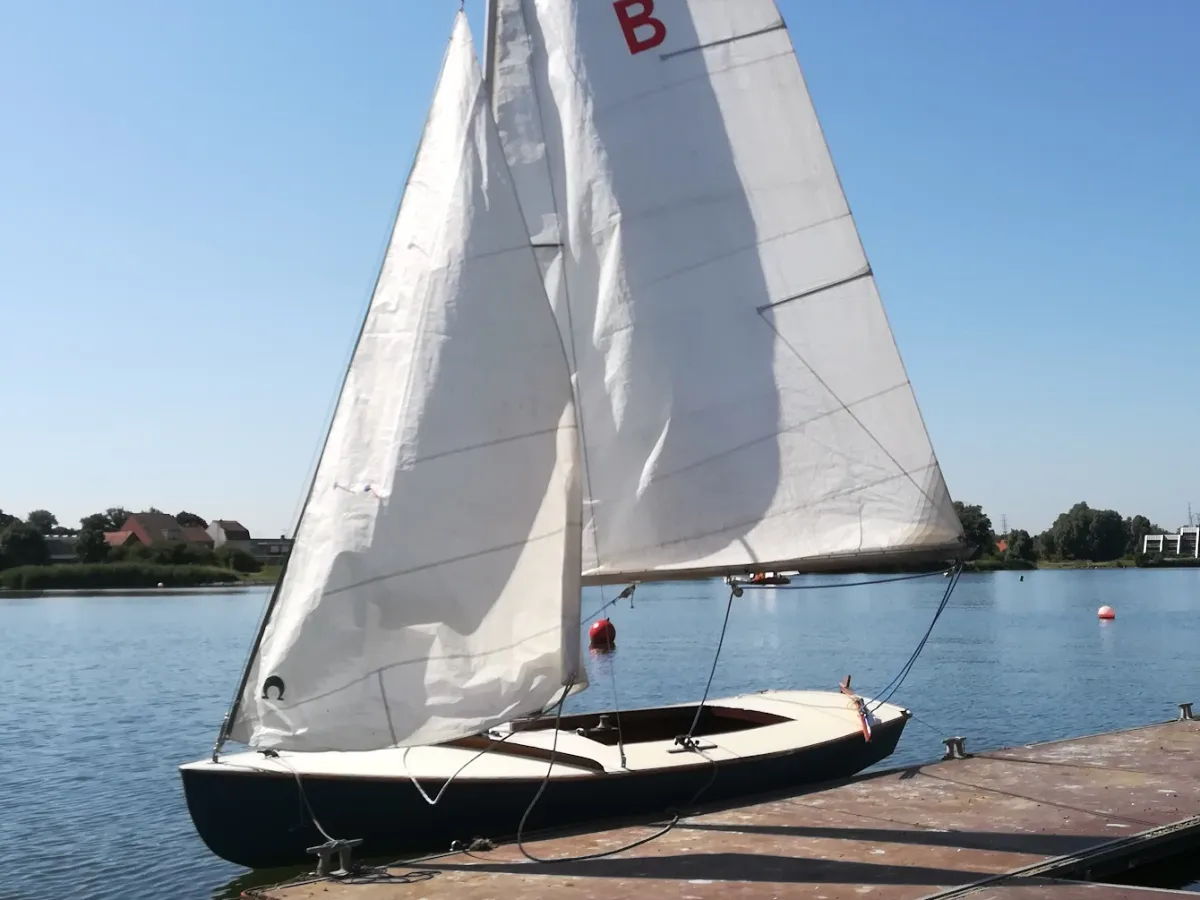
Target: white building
column 1185, row 543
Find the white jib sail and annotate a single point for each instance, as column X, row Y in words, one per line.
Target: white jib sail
column 741, row 398
column 434, row 590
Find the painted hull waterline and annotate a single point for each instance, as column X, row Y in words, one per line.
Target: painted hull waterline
column 258, row 812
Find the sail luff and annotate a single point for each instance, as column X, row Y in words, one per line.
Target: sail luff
column 744, row 399
column 435, row 578
column 231, row 716
column 960, row 546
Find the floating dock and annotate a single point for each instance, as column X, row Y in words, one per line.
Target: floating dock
column 1024, row 823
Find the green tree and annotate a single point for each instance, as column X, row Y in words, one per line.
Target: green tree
column 43, row 520
column 172, row 553
column 187, row 519
column 1020, row 546
column 237, row 559
column 1072, row 532
column 1046, row 546
column 1107, row 537
column 977, row 528
column 6, row 520
column 110, row 520
column 94, row 522
column 92, row 547
column 23, row 545
column 1138, row 527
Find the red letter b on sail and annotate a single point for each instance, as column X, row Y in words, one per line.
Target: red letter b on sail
column 639, row 14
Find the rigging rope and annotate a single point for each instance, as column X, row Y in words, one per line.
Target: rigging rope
column 734, row 591
column 840, row 584
column 628, row 592
column 675, row 814
column 612, row 671
column 457, row 772
column 684, row 740
column 892, row 686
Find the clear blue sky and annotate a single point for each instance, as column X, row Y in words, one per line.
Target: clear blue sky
column 194, row 199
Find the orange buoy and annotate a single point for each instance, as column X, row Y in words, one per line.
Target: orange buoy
column 1107, row 612
column 602, row 634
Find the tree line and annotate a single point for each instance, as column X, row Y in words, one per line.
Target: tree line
column 26, row 542
column 1081, row 534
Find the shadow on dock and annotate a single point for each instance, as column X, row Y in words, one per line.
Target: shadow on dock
column 1012, row 824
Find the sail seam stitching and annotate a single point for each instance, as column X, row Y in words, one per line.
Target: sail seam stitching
column 512, row 545
column 449, row 657
column 797, row 426
column 849, row 279
column 637, row 98
column 759, row 243
column 492, row 443
column 778, row 26
column 850, row 412
column 783, row 512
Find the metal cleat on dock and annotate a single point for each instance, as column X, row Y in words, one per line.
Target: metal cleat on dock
column 955, row 748
column 1185, row 712
column 324, row 854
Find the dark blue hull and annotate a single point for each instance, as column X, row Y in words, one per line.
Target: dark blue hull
column 260, row 820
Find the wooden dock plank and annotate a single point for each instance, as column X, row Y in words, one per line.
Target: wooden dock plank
column 1052, row 889
column 901, row 835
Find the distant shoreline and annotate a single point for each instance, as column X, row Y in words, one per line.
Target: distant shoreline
column 1000, row 565
column 123, row 577
column 17, row 594
column 269, row 579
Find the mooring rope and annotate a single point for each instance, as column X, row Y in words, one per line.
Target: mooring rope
column 675, row 817
column 889, row 690
column 687, row 741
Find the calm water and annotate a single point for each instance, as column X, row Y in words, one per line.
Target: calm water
column 105, row 696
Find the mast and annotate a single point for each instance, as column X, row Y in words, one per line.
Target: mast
column 490, row 20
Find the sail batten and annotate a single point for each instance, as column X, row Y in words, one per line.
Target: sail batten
column 741, row 399
column 433, row 589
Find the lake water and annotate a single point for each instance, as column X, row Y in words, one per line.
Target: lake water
column 104, row 696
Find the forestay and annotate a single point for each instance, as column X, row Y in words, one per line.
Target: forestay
column 434, row 586
column 741, row 398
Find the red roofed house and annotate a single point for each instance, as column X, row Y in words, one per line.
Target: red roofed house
column 121, row 538
column 154, row 527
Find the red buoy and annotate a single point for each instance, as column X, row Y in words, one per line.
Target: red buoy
column 1106, row 612
column 602, row 634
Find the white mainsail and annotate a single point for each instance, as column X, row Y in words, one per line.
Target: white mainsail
column 741, row 400
column 434, row 587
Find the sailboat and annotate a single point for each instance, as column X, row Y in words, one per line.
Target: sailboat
column 624, row 331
